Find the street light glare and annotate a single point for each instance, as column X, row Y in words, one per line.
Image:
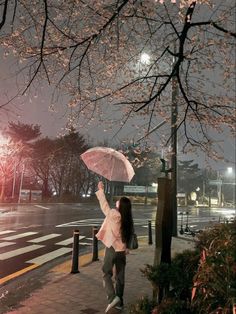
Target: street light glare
column 145, row 58
column 3, row 143
column 3, row 140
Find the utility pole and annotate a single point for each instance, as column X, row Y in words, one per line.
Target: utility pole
column 174, row 115
column 14, row 182
column 21, row 181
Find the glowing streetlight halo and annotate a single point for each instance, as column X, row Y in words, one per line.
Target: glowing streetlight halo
column 229, row 170
column 145, row 58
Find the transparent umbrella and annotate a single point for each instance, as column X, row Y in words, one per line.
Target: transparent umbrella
column 108, row 163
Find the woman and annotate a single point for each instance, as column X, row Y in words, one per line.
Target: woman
column 115, row 232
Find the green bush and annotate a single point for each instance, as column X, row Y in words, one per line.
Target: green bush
column 210, row 268
column 159, row 275
column 183, row 268
column 173, row 306
column 143, row 306
column 215, row 280
column 178, row 276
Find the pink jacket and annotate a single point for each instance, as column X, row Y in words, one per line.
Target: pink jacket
column 109, row 232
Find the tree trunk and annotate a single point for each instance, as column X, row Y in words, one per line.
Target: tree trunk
column 163, row 228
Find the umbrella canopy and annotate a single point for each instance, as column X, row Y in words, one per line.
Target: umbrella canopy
column 108, row 163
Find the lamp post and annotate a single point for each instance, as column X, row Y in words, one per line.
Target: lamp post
column 21, row 181
column 13, row 182
column 221, row 174
column 174, row 115
column 145, row 59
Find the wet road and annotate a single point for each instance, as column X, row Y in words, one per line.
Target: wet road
column 32, row 235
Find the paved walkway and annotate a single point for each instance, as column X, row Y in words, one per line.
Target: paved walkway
column 83, row 292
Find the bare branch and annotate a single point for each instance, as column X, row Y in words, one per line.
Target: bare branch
column 214, row 24
column 4, row 14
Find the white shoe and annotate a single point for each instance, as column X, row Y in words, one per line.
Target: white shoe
column 115, row 301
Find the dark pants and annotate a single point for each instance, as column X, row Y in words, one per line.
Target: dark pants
column 118, row 259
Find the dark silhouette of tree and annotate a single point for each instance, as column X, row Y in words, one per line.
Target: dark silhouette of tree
column 57, row 163
column 189, row 177
column 21, row 132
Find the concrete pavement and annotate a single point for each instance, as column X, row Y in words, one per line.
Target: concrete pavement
column 83, row 292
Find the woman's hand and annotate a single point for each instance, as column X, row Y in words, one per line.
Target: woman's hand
column 100, row 185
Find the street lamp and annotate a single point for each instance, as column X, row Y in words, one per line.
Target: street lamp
column 145, row 58
column 221, row 174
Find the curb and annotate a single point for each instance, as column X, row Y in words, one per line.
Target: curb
column 84, row 260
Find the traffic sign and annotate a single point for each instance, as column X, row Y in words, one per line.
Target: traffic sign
column 215, row 182
column 139, row 189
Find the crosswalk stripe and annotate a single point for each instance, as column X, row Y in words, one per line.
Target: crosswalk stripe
column 49, row 256
column 6, row 232
column 3, row 244
column 69, row 241
column 40, row 206
column 85, row 243
column 93, row 222
column 20, row 251
column 44, row 238
column 21, row 235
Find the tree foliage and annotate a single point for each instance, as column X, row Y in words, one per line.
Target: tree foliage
column 90, row 51
column 57, row 162
column 146, row 164
column 22, row 132
column 53, row 165
column 189, row 176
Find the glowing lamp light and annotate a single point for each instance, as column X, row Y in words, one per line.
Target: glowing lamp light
column 3, row 140
column 145, row 58
column 3, row 143
column 229, row 170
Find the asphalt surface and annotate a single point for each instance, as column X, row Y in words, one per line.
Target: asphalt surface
column 32, row 235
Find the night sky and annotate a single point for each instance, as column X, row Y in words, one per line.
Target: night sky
column 34, row 109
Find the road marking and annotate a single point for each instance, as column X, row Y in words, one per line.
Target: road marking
column 21, row 235
column 68, row 241
column 49, row 256
column 84, row 222
column 20, row 251
column 85, row 243
column 6, row 232
column 3, row 244
column 16, row 274
column 95, row 222
column 40, row 206
column 44, row 238
column 146, row 226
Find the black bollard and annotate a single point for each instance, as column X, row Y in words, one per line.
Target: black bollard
column 149, row 232
column 95, row 245
column 181, row 231
column 75, row 253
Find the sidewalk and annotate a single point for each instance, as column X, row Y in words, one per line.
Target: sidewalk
column 83, row 292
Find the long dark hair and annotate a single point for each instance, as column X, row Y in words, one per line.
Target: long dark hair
column 127, row 225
